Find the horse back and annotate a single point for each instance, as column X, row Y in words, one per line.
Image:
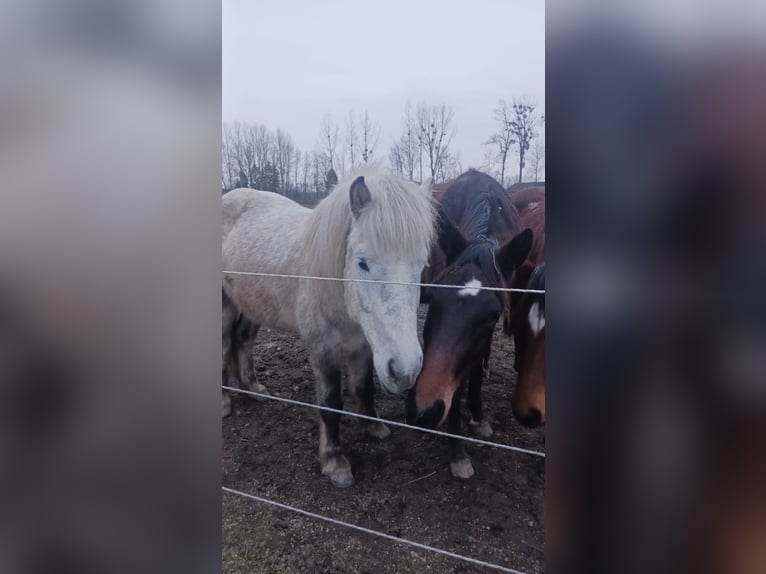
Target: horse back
column 255, row 205
column 533, row 217
column 263, row 231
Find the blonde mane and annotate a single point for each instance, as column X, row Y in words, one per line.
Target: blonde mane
column 399, row 219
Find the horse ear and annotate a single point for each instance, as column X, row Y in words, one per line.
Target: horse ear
column 513, row 253
column 359, row 195
column 451, row 240
column 522, row 275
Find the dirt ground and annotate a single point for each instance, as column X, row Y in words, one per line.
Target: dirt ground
column 402, row 486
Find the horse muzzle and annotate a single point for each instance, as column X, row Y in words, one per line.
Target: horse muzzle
column 429, row 417
column 400, row 374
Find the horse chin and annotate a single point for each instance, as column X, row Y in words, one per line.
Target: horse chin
column 393, row 386
column 447, row 406
column 390, row 385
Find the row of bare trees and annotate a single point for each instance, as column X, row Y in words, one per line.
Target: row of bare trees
column 519, row 122
column 254, row 156
column 358, row 141
column 422, row 149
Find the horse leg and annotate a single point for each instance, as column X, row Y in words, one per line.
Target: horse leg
column 361, row 386
column 228, row 356
column 477, row 423
column 332, row 462
column 245, row 333
column 460, row 463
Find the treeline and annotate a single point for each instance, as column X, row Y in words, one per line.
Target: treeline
column 254, row 156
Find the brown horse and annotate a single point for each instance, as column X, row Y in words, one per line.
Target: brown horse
column 527, row 317
column 480, row 243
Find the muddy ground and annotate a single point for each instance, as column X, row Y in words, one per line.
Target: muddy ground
column 402, row 486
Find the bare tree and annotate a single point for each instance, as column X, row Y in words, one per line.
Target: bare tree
column 406, row 151
column 536, row 169
column 435, row 134
column 239, row 150
column 297, row 156
column 351, row 139
column 395, row 158
column 411, row 149
column 504, row 138
column 329, row 139
column 524, row 120
column 284, row 150
column 340, row 163
column 305, row 170
column 263, row 144
column 318, row 162
column 450, row 167
column 370, row 136
column 229, row 171
column 250, row 165
column 490, row 157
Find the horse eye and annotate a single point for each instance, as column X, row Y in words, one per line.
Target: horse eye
column 363, row 265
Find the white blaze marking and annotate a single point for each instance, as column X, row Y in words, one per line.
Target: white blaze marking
column 471, row 288
column 536, row 319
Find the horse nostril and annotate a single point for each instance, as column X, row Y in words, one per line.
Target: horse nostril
column 532, row 418
column 392, row 370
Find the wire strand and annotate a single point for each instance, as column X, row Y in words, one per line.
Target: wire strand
column 385, row 421
column 372, row 532
column 350, row 280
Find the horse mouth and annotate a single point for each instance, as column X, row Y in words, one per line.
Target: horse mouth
column 431, row 418
column 395, row 386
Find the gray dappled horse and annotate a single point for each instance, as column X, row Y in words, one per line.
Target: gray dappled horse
column 374, row 226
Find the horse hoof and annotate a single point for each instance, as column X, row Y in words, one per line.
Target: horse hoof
column 338, row 470
column 480, row 428
column 258, row 388
column 378, row 430
column 342, row 480
column 462, row 469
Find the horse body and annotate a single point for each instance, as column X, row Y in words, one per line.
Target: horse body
column 250, row 219
column 527, row 321
column 382, row 232
column 480, row 244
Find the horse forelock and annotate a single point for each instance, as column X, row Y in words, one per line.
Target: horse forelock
column 480, row 253
column 398, row 220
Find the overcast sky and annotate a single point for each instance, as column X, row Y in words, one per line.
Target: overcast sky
column 287, row 63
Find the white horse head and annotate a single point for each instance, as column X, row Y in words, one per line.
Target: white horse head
column 385, row 245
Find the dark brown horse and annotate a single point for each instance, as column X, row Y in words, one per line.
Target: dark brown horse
column 527, row 318
column 480, row 244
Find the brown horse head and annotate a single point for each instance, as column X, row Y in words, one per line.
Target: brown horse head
column 460, row 321
column 527, row 317
column 528, row 327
